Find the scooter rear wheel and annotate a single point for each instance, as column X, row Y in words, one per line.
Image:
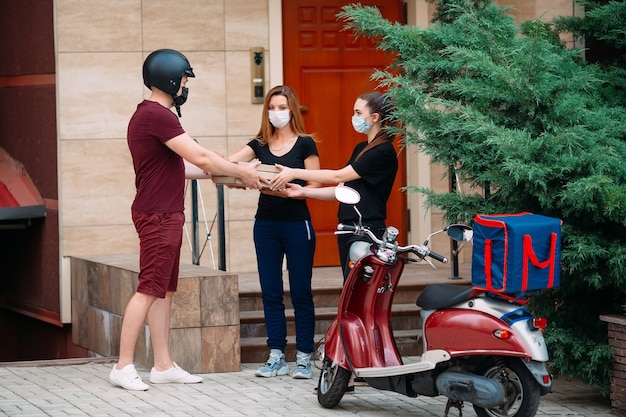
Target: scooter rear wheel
column 521, row 388
column 332, row 384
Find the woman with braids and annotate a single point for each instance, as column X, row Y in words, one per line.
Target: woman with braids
column 371, row 170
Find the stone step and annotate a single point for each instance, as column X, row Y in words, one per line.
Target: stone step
column 404, row 316
column 327, row 285
column 252, row 301
column 255, row 350
column 405, row 293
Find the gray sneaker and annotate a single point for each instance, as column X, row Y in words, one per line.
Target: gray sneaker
column 274, row 366
column 303, row 366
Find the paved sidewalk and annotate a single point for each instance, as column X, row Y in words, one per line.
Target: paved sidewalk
column 72, row 388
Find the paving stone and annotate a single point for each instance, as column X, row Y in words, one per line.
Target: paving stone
column 84, row 389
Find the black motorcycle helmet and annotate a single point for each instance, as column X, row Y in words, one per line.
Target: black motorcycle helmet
column 164, row 69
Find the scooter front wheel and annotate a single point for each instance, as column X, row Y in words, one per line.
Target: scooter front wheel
column 521, row 390
column 333, row 383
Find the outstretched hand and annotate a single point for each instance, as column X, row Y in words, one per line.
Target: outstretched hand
column 251, row 177
column 294, row 191
column 282, row 178
column 275, row 193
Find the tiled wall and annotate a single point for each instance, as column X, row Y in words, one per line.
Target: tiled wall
column 205, row 313
column 100, row 50
column 101, row 47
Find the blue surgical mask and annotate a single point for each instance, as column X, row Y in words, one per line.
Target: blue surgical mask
column 279, row 118
column 358, row 123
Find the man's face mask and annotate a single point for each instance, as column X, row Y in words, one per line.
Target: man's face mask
column 358, row 123
column 181, row 99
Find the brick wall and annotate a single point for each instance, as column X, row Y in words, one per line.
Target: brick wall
column 617, row 341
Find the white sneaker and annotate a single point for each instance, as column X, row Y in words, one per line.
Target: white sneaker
column 127, row 378
column 174, row 375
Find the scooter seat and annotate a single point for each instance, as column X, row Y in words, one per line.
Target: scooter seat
column 437, row 296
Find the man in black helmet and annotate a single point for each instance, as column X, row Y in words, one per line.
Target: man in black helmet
column 163, row 156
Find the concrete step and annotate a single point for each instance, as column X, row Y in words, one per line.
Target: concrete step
column 252, row 301
column 403, row 316
column 327, row 285
column 322, row 297
column 254, row 349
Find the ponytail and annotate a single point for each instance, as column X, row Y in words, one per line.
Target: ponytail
column 378, row 103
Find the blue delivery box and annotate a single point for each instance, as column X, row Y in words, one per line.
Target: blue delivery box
column 516, row 253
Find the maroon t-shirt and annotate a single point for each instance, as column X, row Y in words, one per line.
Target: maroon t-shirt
column 159, row 171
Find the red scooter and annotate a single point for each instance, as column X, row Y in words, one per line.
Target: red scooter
column 478, row 347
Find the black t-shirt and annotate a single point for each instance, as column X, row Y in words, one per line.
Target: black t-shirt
column 377, row 168
column 278, row 208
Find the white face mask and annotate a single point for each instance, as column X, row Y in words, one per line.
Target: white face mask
column 279, row 118
column 358, row 123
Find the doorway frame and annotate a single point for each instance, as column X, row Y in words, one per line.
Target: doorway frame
column 418, row 169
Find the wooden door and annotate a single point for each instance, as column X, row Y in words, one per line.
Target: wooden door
column 328, row 70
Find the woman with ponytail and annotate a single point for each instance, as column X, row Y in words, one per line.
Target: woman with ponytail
column 371, row 170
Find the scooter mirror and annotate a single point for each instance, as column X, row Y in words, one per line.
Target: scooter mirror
column 460, row 232
column 347, row 195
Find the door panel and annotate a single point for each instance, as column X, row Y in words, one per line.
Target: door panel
column 328, row 70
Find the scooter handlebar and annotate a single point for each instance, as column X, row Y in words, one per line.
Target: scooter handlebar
column 421, row 251
column 438, row 257
column 347, row 228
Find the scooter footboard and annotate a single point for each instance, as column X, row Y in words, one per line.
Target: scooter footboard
column 401, row 384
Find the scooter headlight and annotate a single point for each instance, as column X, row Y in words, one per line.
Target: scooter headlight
column 358, row 250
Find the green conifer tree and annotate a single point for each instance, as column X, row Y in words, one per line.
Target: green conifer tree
column 603, row 31
column 525, row 126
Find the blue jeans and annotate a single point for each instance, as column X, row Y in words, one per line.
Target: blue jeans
column 273, row 241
